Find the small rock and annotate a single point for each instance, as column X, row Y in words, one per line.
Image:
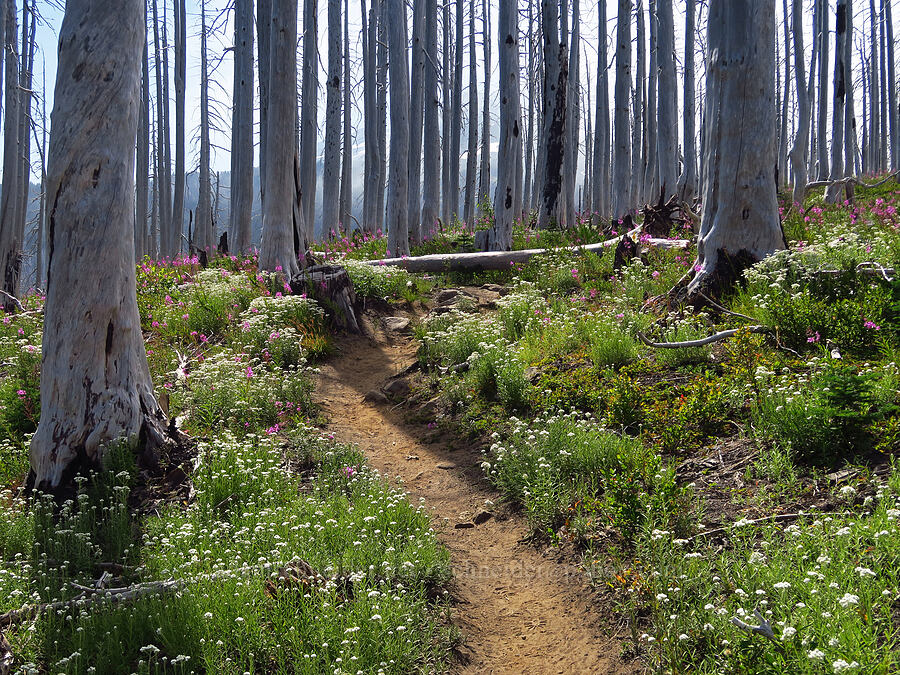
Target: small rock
column 396, row 323
column 446, row 465
column 464, row 526
column 482, row 517
column 447, row 296
column 375, row 396
column 397, row 388
column 493, row 288
column 411, row 457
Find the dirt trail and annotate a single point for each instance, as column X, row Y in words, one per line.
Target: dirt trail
column 518, row 611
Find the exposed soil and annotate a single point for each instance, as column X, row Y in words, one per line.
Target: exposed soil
column 519, row 610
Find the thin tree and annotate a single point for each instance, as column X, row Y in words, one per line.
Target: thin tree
column 785, row 102
column 472, row 131
column 96, row 388
column 308, row 115
column 416, row 117
column 141, row 245
column 11, row 243
column 651, row 116
column 640, row 138
column 740, row 223
column 332, row 154
column 446, row 104
column 801, row 140
column 600, row 182
column 346, row 206
column 837, row 110
column 239, row 231
column 892, row 88
column 431, row 159
column 822, row 114
column 551, row 209
column 204, row 239
column 180, row 75
column 484, row 173
column 667, row 131
column 687, row 181
column 500, row 234
column 621, row 179
column 456, row 111
column 573, row 113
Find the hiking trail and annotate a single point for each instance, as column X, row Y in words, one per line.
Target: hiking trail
column 518, row 611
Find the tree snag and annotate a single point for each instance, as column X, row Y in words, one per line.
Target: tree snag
column 95, row 383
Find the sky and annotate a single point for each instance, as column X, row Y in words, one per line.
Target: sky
column 220, row 42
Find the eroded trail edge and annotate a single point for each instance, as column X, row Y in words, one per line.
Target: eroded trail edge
column 518, row 611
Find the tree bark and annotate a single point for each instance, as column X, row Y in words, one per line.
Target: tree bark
column 651, row 117
column 263, row 47
column 446, row 104
column 640, row 138
column 740, row 223
column 278, row 250
column 95, row 383
column 621, row 204
column 398, row 178
column 381, row 77
column 785, row 104
column 456, row 112
column 484, row 173
column 573, row 114
column 874, row 138
column 892, row 89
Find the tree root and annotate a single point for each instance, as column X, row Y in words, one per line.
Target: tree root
column 716, row 337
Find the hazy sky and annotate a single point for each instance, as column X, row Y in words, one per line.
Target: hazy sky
column 218, row 14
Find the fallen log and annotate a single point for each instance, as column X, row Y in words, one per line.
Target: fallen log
column 332, row 288
column 500, row 260
column 715, row 337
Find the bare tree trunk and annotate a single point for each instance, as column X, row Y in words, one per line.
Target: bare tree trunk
column 398, row 179
column 687, row 181
column 551, row 211
column 346, row 206
column 881, row 74
column 785, row 103
column 639, row 136
column 573, row 114
column 874, row 137
column 263, row 47
column 143, row 156
column 161, row 222
column 621, row 203
column 892, row 88
column 416, row 117
column 370, row 180
column 165, row 205
column 587, row 194
column 446, row 103
column 472, row 145
column 821, row 122
column 239, row 231
column 95, row 382
column 740, row 223
column 530, row 168
column 500, row 235
column 278, row 248
column 456, row 112
column 39, row 263
column 308, row 116
column 26, row 80
column 153, row 251
column 837, row 112
column 667, row 116
column 381, row 104
column 431, row 169
column 332, row 154
column 798, row 152
column 11, row 244
column 204, row 239
column 651, row 117
column 601, row 125
column 484, row 180
column 851, row 157
column 180, row 75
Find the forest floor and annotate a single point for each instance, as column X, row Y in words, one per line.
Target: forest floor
column 518, row 609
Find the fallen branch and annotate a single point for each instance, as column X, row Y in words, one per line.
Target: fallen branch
column 13, row 299
column 764, row 628
column 715, row 305
column 716, row 337
column 781, row 517
column 851, row 180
